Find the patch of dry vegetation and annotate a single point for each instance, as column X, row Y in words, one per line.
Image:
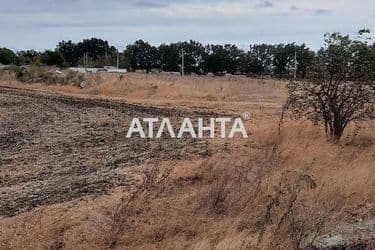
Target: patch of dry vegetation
column 237, row 94
column 37, row 74
column 280, row 189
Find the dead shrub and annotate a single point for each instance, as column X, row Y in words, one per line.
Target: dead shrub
column 217, row 195
column 37, row 74
column 120, row 219
column 286, row 218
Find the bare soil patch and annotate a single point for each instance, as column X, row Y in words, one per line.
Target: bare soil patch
column 55, row 148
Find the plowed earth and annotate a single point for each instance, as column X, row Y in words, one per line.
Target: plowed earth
column 54, row 148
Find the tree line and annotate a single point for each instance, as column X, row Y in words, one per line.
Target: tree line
column 279, row 60
column 261, row 59
column 336, row 84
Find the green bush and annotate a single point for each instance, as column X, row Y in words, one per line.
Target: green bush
column 7, row 56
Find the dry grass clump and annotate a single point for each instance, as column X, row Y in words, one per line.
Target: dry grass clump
column 122, row 218
column 190, row 88
column 38, row 74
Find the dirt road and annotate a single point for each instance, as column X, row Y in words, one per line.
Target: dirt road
column 55, row 148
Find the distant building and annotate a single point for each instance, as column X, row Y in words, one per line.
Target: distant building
column 78, row 69
column 110, row 69
column 141, row 71
column 113, row 69
column 155, row 71
column 116, row 70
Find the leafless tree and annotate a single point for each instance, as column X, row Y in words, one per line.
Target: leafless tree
column 340, row 85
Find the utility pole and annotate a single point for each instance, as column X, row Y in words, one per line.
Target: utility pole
column 182, row 63
column 295, row 63
column 85, row 60
column 118, row 60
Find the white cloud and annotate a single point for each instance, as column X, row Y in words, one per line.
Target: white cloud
column 41, row 24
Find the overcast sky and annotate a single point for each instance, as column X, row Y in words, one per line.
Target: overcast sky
column 41, row 24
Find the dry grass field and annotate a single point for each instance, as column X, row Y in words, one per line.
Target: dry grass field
column 70, row 179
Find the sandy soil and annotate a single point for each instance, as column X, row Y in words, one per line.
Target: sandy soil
column 70, row 179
